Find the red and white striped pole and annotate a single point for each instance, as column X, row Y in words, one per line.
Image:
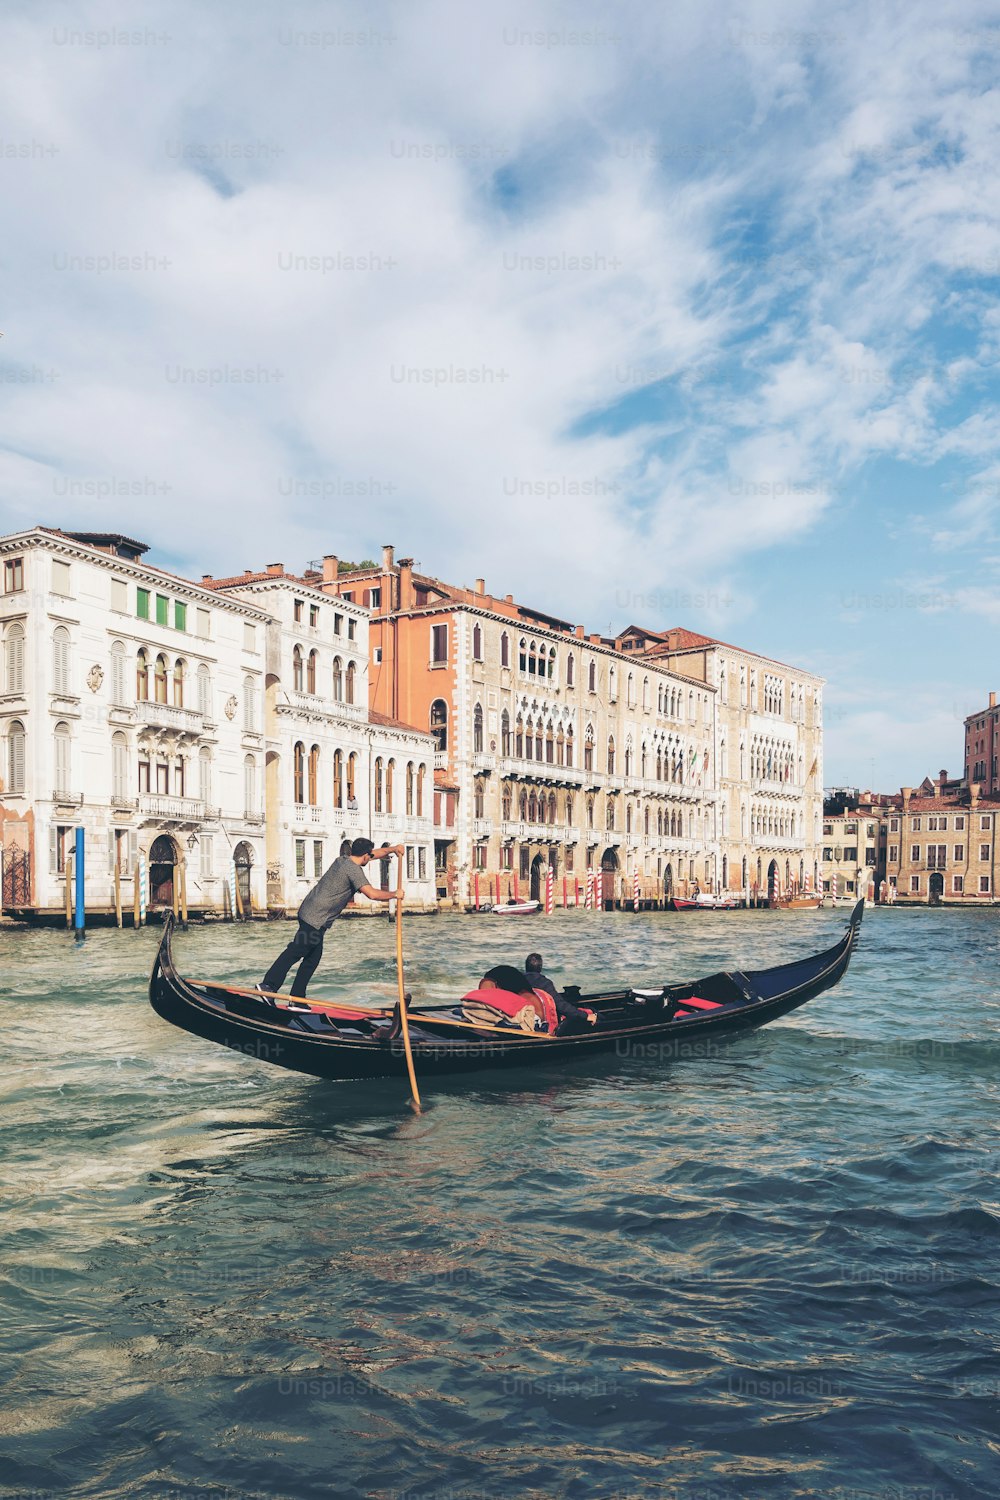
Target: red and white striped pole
column 476, row 889
column 549, row 892
column 516, row 893
column 833, row 885
column 565, row 894
column 588, row 900
column 635, row 891
column 497, row 887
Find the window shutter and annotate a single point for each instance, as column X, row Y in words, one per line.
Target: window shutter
column 133, row 851
column 17, row 760
column 111, row 851
column 15, row 661
column 53, row 850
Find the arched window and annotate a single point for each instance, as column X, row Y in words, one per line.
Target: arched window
column 628, row 817
column 142, row 675
column 311, row 671
column 439, row 723
column 610, row 813
column 62, row 746
column 551, row 673
column 645, row 694
column 506, row 800
column 377, row 773
column 160, row 679
column 532, row 807
column 550, row 744
column 505, row 733
column 611, row 755
column 314, row 776
column 592, row 677
column 15, row 757
column 14, row 658
column 560, row 747
column 119, row 767
column 529, row 739
column 60, row 660
column 629, row 767
column 352, row 778
column 477, row 727
column 552, row 807
column 338, row 778
column 613, row 684
column 538, row 739
column 522, row 806
column 478, row 800
column 179, row 683
column 249, row 705
column 519, row 738
column 299, row 773
column 630, row 691
column 505, row 650
column 297, row 683
column 590, row 812
column 205, row 774
column 588, row 748
column 338, row 680
column 250, row 786
column 204, row 692
column 352, row 672
column 570, row 670
column 569, row 745
column 643, row 760
column 390, row 779
column 421, row 770
column 409, row 788
column 118, row 675
column 477, row 642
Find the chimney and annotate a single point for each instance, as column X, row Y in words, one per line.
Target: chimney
column 579, row 632
column 595, row 640
column 387, row 556
column 508, row 598
column 480, row 585
column 993, row 700
column 937, row 787
column 206, row 578
column 907, row 792
column 942, row 777
column 975, row 787
column 407, row 593
column 275, row 569
column 330, row 565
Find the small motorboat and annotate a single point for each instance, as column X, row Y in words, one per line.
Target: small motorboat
column 331, row 1040
column 704, row 901
column 517, row 909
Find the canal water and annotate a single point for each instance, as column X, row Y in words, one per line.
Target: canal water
column 769, row 1272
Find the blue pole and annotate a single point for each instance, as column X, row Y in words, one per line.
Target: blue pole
column 78, row 868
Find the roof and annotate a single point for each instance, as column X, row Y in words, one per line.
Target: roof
column 101, row 538
column 385, row 722
column 248, row 577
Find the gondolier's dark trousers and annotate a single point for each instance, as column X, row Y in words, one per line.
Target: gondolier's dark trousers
column 306, row 950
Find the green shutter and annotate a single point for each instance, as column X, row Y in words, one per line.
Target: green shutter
column 142, row 603
column 180, row 615
column 162, row 610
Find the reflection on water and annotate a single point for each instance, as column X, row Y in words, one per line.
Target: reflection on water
column 771, row 1271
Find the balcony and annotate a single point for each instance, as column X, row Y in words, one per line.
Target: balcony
column 348, row 818
column 440, row 760
column 387, row 822
column 304, row 814
column 482, row 760
column 255, row 817
column 776, row 788
column 171, row 809
column 166, row 716
column 614, row 783
column 541, row 770
column 509, row 830
column 124, row 804
column 65, row 798
column 482, row 828
column 327, row 708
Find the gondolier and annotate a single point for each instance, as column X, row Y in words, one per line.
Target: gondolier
column 324, row 903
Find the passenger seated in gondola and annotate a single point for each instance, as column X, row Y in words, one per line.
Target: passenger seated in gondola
column 533, row 1007
column 574, row 1016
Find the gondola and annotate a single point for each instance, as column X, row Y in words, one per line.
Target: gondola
column 335, row 1041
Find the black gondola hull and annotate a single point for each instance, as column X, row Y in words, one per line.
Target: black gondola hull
column 239, row 1023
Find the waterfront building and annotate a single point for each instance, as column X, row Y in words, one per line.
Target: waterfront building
column 563, row 750
column 941, row 844
column 131, row 707
column 982, row 748
column 334, row 770
column 768, row 747
column 854, row 853
column 199, row 729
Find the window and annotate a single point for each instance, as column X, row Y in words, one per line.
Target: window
column 611, row 755
column 505, row 650
column 390, row 782
column 14, row 658
column 300, row 858
column 249, row 637
column 374, row 598
column 180, row 615
column 62, row 749
column 204, row 692
column 477, row 642
column 959, row 851
column 570, row 670
column 15, row 757
column 958, row 884
column 851, row 854
column 592, row 677
column 249, row 706
column 59, row 837
column 338, row 778
column 60, row 578
column 13, row 575
column 142, row 604
column 439, row 723
column 984, row 885
column 203, row 624
column 960, row 825
column 118, row 675
column 297, row 679
column 894, row 825
column 870, row 856
column 313, row 616
column 352, row 630
column 144, row 781
column 162, row 778
column 207, row 853
column 119, row 767
column 937, row 856
column 60, row 660
column 421, row 862
column 479, row 856
column 984, row 822
column 915, row 853
column 984, row 851
column 439, row 645
column 313, row 776
column 378, row 783
column 915, row 884
column 162, row 609
column 317, row 857
column 299, row 774
column 352, row 771
column 311, row 672
column 421, row 770
column 205, row 774
column 914, row 825
column 160, row 679
column 338, row 680
column 179, row 670
column 338, row 624
column 297, row 607
column 477, row 727
column 352, row 673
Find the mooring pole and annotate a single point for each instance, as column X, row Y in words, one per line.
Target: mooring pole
column 79, row 870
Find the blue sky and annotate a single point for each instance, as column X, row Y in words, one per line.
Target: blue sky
column 681, row 318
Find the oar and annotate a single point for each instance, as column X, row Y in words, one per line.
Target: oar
column 402, row 1003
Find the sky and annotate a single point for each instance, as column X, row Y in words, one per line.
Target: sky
column 665, row 315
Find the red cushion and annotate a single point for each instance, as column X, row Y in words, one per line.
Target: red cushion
column 694, row 1002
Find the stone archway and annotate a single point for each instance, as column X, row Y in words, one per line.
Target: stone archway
column 668, row 882
column 537, row 877
column 243, row 861
column 164, row 857
column 609, row 869
column 935, row 888
column 772, row 883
